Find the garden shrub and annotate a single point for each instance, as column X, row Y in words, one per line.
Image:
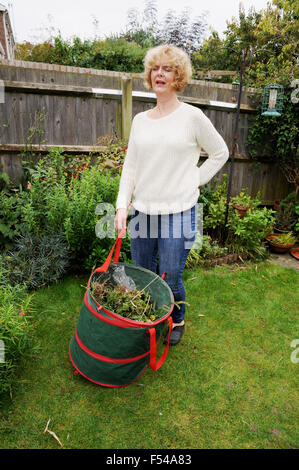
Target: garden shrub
column 15, row 328
column 287, row 218
column 84, row 194
column 63, row 193
column 247, row 234
column 37, row 260
column 244, row 235
column 10, row 218
column 110, row 54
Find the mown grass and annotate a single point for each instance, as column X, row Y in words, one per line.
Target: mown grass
column 230, row 383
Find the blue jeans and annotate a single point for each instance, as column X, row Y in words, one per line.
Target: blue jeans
column 171, row 237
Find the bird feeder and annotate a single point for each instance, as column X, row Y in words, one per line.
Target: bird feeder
column 272, row 101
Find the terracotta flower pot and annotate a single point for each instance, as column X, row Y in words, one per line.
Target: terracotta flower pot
column 241, row 210
column 278, row 247
column 295, row 253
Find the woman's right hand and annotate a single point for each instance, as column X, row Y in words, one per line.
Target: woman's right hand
column 120, row 220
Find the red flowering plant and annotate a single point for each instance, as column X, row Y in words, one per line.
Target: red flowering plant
column 75, row 165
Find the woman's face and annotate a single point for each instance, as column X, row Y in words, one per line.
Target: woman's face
column 162, row 75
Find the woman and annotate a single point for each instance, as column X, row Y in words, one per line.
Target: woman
column 161, row 175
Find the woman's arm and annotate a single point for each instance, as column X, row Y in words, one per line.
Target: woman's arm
column 127, row 180
column 211, row 141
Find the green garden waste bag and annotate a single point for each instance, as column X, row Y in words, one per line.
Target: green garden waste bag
column 111, row 350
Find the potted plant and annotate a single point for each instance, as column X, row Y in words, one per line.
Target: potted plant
column 295, row 252
column 281, row 243
column 242, row 202
column 286, row 218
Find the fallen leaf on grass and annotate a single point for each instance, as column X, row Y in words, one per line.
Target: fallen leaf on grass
column 276, row 432
column 52, row 433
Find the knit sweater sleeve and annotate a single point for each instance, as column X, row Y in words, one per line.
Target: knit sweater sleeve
column 127, row 180
column 213, row 144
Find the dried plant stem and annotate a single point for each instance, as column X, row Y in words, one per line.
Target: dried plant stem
column 146, row 305
column 52, row 433
column 147, row 285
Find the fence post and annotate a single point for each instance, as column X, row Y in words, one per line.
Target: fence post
column 126, row 106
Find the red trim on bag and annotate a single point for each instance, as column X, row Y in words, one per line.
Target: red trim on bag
column 117, row 244
column 99, row 383
column 105, row 358
column 106, row 319
column 153, row 357
column 135, row 323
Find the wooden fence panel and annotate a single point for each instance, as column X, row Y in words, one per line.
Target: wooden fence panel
column 71, row 115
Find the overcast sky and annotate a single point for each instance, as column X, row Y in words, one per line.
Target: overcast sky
column 33, row 20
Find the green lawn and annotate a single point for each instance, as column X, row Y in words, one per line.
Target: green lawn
column 230, row 383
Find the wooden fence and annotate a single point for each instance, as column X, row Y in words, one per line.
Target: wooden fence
column 48, row 105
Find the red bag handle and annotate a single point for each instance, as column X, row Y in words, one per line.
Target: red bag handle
column 153, row 347
column 105, row 266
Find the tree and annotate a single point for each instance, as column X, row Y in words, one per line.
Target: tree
column 212, row 55
column 268, row 39
column 278, row 33
column 177, row 29
column 150, row 16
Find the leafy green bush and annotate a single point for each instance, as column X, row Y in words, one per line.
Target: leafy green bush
column 110, row 54
column 80, row 218
column 214, row 216
column 63, row 194
column 212, row 191
column 10, row 218
column 15, row 329
column 245, row 235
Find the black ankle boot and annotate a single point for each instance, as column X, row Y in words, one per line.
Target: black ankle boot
column 175, row 335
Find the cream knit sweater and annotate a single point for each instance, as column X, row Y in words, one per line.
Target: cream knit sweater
column 160, row 172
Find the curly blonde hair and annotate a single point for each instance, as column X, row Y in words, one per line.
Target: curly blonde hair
column 175, row 57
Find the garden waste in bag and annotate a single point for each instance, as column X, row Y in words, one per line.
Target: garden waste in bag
column 113, row 350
